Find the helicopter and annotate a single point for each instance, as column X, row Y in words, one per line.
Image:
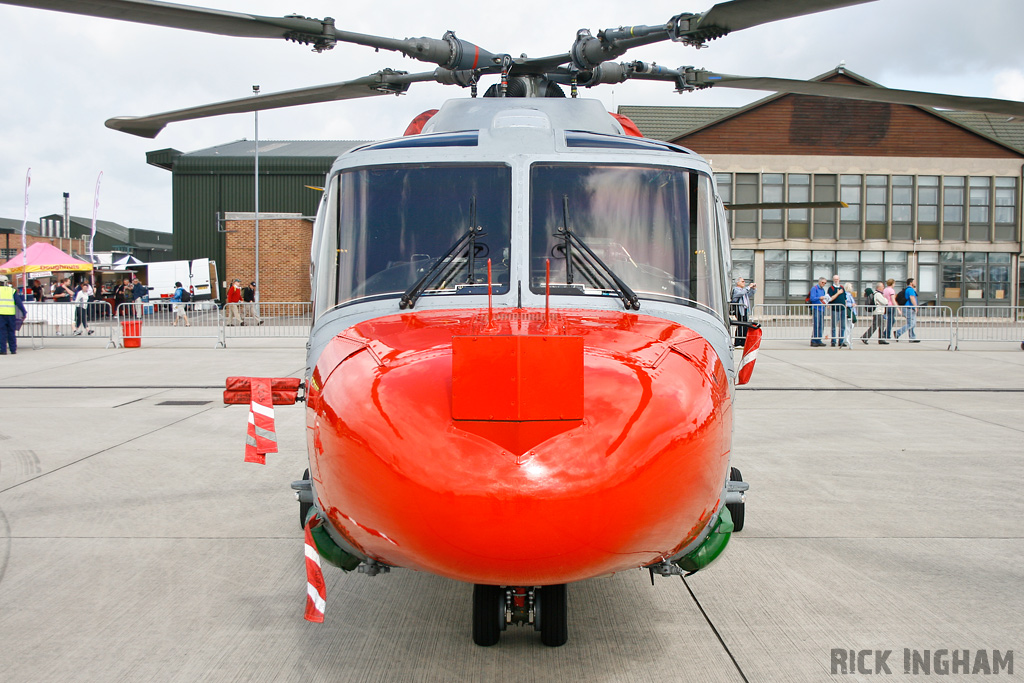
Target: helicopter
column 520, row 373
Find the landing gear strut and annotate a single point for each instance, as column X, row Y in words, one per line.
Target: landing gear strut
column 495, row 607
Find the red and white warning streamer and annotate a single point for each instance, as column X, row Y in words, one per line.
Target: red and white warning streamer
column 750, row 348
column 261, row 437
column 316, row 589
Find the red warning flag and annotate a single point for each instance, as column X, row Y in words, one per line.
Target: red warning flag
column 316, row 589
column 260, row 437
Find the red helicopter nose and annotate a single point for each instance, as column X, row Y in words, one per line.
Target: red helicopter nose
column 513, row 457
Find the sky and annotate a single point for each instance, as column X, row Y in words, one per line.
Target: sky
column 62, row 76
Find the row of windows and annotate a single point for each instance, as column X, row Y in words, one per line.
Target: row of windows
column 893, row 207
column 944, row 278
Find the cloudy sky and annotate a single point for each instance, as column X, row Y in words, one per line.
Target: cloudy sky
column 61, row 76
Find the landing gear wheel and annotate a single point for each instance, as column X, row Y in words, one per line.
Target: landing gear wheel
column 736, row 509
column 304, row 507
column 488, row 614
column 553, row 611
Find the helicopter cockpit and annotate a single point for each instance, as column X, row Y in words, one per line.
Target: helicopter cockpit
column 586, row 214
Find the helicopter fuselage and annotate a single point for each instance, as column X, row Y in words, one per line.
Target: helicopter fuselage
column 501, row 411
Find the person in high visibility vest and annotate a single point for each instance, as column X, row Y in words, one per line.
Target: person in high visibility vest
column 10, row 303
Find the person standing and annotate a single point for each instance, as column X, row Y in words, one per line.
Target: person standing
column 139, row 294
column 837, row 305
column 890, row 311
column 910, row 312
column 251, row 307
column 851, row 313
column 818, row 299
column 234, row 305
column 740, row 304
column 37, row 290
column 180, row 306
column 82, row 297
column 11, row 303
column 878, row 315
column 62, row 294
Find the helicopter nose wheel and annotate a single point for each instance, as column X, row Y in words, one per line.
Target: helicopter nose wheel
column 736, row 510
column 495, row 607
column 303, row 505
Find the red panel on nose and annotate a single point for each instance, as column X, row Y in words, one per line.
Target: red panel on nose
column 517, row 378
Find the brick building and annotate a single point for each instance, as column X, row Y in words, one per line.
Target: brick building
column 932, row 194
column 285, row 241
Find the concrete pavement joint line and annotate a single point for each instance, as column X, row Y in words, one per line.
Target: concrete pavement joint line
column 715, row 630
column 801, row 367
column 7, row 547
column 953, row 412
column 120, row 386
column 109, row 448
column 65, row 365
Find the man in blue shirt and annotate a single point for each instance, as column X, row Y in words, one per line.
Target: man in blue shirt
column 837, row 303
column 910, row 311
column 818, row 298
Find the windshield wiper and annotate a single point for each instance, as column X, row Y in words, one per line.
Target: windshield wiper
column 592, row 265
column 469, row 238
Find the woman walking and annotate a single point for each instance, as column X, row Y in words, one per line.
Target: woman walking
column 878, row 315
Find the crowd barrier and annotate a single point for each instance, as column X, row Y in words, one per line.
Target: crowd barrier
column 796, row 322
column 265, row 320
column 168, row 320
column 50, row 319
column 989, row 324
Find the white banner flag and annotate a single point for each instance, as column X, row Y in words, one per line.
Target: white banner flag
column 95, row 209
column 24, row 245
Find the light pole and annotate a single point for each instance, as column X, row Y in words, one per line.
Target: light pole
column 65, row 230
column 256, row 114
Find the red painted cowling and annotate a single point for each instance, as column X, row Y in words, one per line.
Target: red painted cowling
column 521, row 501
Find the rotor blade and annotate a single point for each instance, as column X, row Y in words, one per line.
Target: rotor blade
column 786, row 205
column 735, row 15
column 380, row 83
column 449, row 52
column 857, row 92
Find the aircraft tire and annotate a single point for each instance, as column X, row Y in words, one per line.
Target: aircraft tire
column 736, row 509
column 304, row 507
column 554, row 615
column 487, row 614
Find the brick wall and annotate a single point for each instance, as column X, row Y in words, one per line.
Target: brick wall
column 285, row 240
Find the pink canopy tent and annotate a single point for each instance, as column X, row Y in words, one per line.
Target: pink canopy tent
column 41, row 257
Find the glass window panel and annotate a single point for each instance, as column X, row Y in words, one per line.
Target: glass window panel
column 927, row 180
column 820, row 256
column 979, row 214
column 897, row 272
column 774, row 255
column 877, row 195
column 847, row 256
column 980, row 181
column 998, row 258
column 799, row 271
column 975, row 257
column 848, row 272
column 774, row 290
column 953, row 181
column 872, row 272
column 772, row 178
column 927, row 195
column 953, row 214
column 875, row 213
column 1006, row 182
column 952, row 257
column 742, row 254
column 902, row 195
column 871, row 257
column 927, row 214
column 877, row 180
column 800, row 255
column 774, row 271
column 901, row 214
column 928, row 257
column 928, row 277
column 903, row 180
column 824, row 270
column 979, row 197
column 743, row 270
column 999, row 273
column 799, row 288
column 895, row 257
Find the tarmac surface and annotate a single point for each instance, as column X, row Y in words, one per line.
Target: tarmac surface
column 136, row 545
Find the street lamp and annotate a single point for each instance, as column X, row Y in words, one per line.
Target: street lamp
column 256, row 114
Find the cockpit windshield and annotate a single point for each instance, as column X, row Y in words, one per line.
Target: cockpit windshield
column 395, row 223
column 653, row 226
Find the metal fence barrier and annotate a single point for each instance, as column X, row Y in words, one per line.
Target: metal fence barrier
column 66, row 319
column 989, row 324
column 829, row 325
column 167, row 320
column 270, row 319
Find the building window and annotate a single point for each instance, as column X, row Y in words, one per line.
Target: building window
column 928, row 207
column 953, row 208
column 825, row 190
column 772, row 189
column 742, row 265
column 745, row 222
column 775, row 275
column 980, row 200
column 799, row 219
column 1005, row 210
column 876, row 207
column 850, row 192
column 902, row 208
